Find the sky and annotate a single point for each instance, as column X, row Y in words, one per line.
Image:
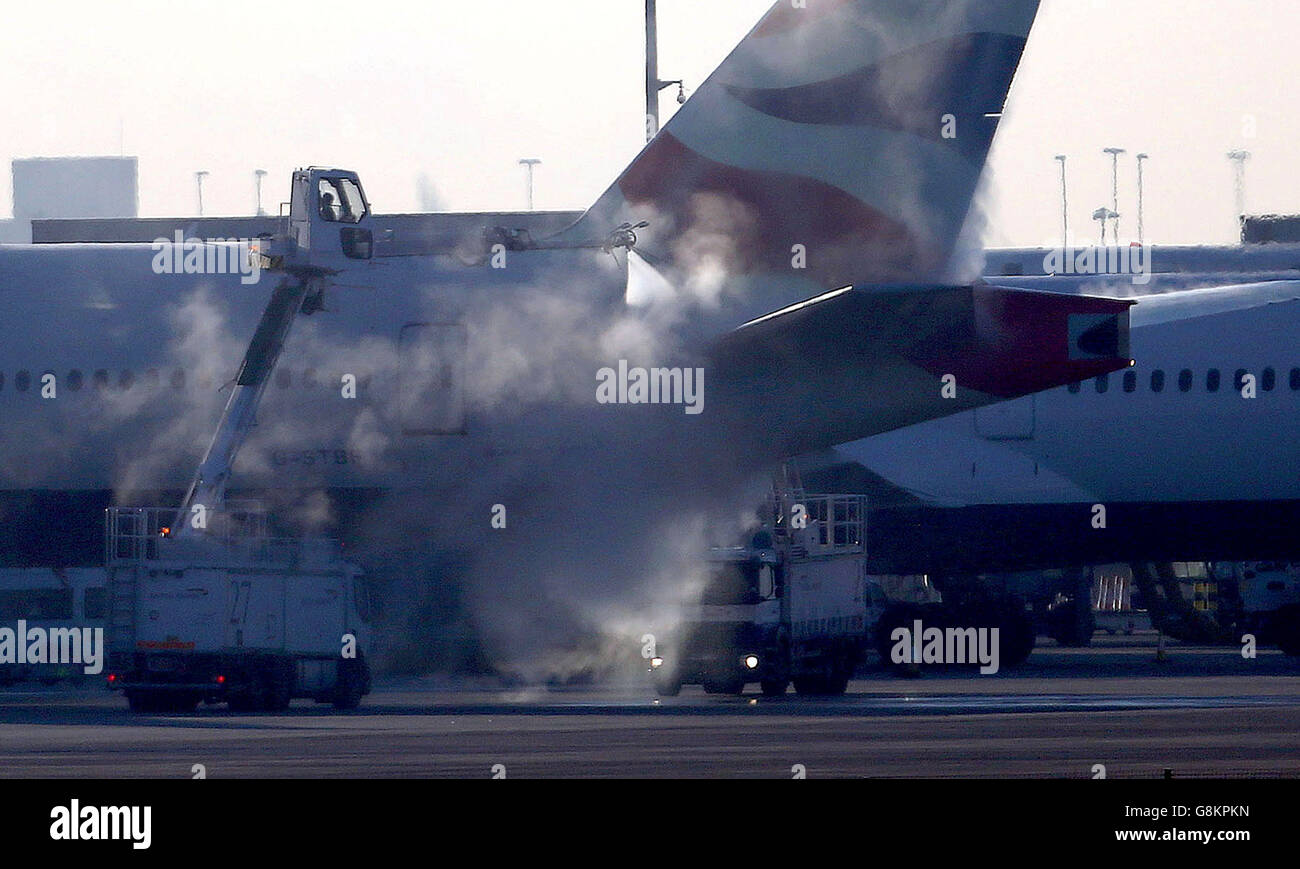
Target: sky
column 434, row 103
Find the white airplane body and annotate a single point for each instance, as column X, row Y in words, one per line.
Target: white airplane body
column 1192, row 452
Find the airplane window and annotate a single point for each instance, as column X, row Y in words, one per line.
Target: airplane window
column 1212, row 380
column 126, row 379
column 283, row 378
column 178, row 378
column 75, row 380
column 1239, row 379
column 1130, row 380
column 1102, row 383
column 100, row 379
column 1184, row 380
column 1074, row 387
column 1268, row 379
column 1295, row 379
column 1157, row 380
column 22, row 380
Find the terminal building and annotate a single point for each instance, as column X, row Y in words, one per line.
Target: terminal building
column 47, row 188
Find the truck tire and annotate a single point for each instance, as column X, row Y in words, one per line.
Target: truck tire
column 351, row 685
column 1070, row 628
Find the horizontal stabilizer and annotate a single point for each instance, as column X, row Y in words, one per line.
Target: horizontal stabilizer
column 857, row 362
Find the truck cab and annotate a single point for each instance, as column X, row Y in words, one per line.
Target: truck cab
column 329, row 227
column 725, row 640
column 789, row 604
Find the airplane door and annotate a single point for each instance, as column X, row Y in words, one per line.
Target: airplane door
column 431, row 382
column 1006, row 420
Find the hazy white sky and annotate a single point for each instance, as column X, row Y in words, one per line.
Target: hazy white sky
column 458, row 91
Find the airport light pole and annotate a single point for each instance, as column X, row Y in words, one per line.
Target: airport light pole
column 1114, row 185
column 1239, row 159
column 653, row 84
column 1140, row 158
column 529, row 163
column 1065, row 206
column 258, row 175
column 198, row 178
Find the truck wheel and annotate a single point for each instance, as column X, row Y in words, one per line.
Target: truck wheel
column 774, row 687
column 1070, row 627
column 350, row 687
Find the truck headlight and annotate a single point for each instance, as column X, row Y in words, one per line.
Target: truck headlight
column 751, row 661
column 656, row 662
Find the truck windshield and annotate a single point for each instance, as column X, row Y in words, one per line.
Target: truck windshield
column 733, row 584
column 341, row 200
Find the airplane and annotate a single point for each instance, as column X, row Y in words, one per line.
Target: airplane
column 1187, row 456
column 805, row 208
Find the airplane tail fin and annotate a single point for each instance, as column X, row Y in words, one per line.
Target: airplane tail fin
column 840, row 143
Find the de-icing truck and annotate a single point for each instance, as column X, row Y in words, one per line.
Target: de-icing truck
column 789, row 605
column 204, row 603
